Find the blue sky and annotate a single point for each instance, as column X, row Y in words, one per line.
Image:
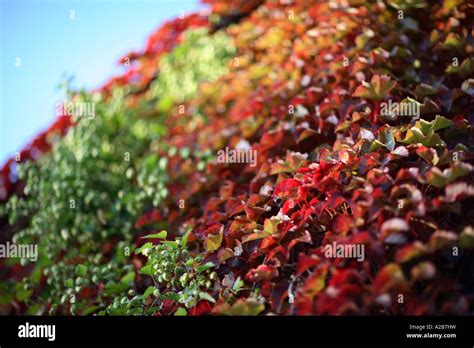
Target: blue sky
column 51, row 45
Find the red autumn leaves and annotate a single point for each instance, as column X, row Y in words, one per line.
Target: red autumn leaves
column 330, row 169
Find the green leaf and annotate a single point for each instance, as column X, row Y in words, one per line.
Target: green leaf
column 160, row 235
column 81, row 270
column 21, row 293
column 170, row 296
column 148, row 292
column 171, row 243
column 238, row 284
column 115, row 288
column 424, row 90
column 128, row 278
column 438, row 123
column 378, row 88
column 424, row 132
column 184, row 240
column 465, row 69
column 152, row 310
column 376, row 144
column 165, row 104
column 207, row 297
column 147, row 270
column 453, row 40
column 181, row 312
column 439, row 178
column 414, row 136
column 205, row 267
column 70, row 283
column 6, row 293
column 144, row 247
column 90, row 310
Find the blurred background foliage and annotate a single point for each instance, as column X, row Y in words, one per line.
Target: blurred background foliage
column 81, row 199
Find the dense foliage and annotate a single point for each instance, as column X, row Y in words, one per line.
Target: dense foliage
column 134, row 215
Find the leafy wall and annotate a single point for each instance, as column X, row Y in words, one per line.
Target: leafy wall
column 160, row 227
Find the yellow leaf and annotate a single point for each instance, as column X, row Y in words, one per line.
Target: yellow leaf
column 213, row 242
